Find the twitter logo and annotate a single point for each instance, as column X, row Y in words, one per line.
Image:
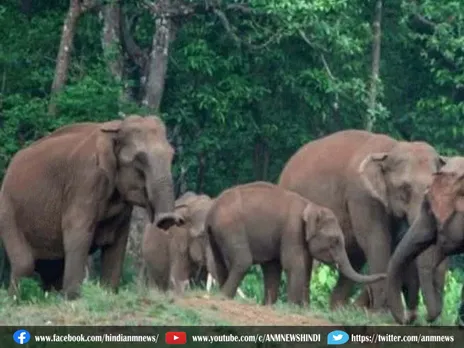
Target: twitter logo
column 337, row 337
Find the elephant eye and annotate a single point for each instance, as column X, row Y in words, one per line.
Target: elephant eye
column 141, row 157
column 140, row 172
column 405, row 192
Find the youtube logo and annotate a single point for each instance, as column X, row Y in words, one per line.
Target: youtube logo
column 176, row 337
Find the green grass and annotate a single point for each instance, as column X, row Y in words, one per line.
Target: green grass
column 137, row 305
column 97, row 306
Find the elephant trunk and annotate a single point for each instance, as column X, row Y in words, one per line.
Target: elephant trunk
column 348, row 271
column 417, row 239
column 160, row 206
column 431, row 274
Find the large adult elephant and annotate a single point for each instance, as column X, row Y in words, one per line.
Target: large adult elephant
column 439, row 228
column 374, row 184
column 73, row 191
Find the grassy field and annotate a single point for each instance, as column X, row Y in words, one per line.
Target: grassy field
column 136, row 305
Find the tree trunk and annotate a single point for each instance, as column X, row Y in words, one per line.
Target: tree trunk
column 110, row 39
column 76, row 8
column 261, row 159
column 376, row 43
column 158, row 64
column 201, row 172
column 64, row 52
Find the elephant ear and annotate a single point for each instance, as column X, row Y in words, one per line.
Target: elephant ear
column 111, row 126
column 372, row 176
column 183, row 211
column 106, row 158
column 312, row 216
column 444, row 196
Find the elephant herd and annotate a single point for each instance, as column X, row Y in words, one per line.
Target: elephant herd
column 350, row 199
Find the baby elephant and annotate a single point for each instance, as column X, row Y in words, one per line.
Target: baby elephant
column 261, row 223
column 170, row 256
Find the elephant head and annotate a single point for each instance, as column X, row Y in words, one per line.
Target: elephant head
column 438, row 227
column 399, row 178
column 138, row 159
column 326, row 242
column 193, row 208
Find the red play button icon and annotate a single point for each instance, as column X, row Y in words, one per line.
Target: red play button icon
column 176, row 337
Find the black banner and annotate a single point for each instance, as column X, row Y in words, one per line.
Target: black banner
column 230, row 336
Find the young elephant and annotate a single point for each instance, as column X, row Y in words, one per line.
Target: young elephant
column 261, row 223
column 170, row 256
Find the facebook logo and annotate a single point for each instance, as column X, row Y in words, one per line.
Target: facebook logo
column 21, row 336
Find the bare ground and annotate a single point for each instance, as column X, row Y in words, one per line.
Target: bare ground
column 246, row 314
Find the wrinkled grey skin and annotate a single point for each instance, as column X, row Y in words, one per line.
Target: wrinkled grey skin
column 176, row 256
column 72, row 192
column 372, row 183
column 437, row 232
column 261, row 223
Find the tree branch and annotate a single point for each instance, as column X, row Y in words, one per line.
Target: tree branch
column 136, row 54
column 230, row 31
column 226, row 24
column 309, row 42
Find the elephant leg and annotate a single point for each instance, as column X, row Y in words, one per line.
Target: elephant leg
column 378, row 265
column 342, row 290
column 75, row 260
column 271, row 273
column 112, row 256
column 306, row 288
column 78, row 233
column 297, row 279
column 19, row 254
column 239, row 265
column 371, row 229
column 411, row 291
column 364, row 298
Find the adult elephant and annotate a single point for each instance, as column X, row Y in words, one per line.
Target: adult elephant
column 438, row 229
column 73, row 191
column 374, row 184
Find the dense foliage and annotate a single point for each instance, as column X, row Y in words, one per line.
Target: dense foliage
column 243, row 91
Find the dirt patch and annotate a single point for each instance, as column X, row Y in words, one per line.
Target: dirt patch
column 245, row 314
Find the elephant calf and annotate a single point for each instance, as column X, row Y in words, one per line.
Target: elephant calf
column 170, row 256
column 261, row 223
